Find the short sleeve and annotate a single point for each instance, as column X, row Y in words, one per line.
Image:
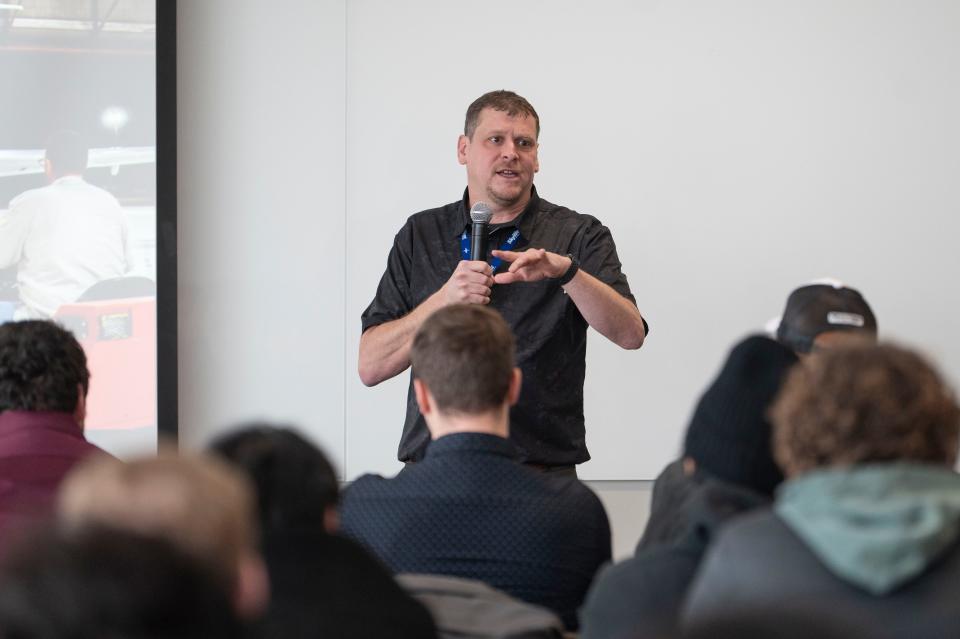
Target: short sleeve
column 597, row 253
column 393, row 299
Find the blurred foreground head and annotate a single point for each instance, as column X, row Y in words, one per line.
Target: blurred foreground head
column 199, row 503
column 295, row 483
column 104, row 583
column 729, row 433
column 861, row 404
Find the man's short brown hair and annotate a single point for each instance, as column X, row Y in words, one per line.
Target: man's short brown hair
column 464, row 355
column 507, row 101
column 864, row 403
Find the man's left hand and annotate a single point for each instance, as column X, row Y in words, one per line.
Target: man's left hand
column 531, row 265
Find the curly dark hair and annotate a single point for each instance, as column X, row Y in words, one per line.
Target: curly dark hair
column 864, row 403
column 506, row 101
column 41, row 366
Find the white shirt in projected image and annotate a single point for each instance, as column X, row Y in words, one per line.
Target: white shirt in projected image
column 63, row 239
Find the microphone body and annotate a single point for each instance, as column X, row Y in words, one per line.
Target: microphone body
column 480, row 215
column 478, row 241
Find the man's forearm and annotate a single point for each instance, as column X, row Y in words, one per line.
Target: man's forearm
column 609, row 313
column 385, row 348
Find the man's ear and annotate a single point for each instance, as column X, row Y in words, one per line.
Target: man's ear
column 80, row 412
column 331, row 520
column 463, row 142
column 422, row 394
column 516, row 382
column 252, row 590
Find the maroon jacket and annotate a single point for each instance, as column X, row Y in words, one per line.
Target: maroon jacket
column 37, row 449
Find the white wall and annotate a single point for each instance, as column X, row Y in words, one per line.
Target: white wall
column 735, row 149
column 260, row 216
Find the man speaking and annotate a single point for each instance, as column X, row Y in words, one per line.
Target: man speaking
column 552, row 272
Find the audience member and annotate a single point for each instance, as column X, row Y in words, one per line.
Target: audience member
column 470, row 509
column 727, row 469
column 321, row 584
column 105, row 583
column 824, row 314
column 867, row 527
column 43, row 390
column 199, row 503
column 65, row 237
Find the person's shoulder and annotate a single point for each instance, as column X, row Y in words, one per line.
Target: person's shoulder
column 558, row 213
column 439, row 214
column 745, row 545
column 570, row 491
column 365, row 483
column 753, row 525
column 30, row 197
column 429, row 223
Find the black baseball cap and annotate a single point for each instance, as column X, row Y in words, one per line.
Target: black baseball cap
column 820, row 308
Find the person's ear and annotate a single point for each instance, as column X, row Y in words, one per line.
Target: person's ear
column 422, row 394
column 463, row 144
column 252, row 590
column 331, row 520
column 516, row 382
column 80, row 412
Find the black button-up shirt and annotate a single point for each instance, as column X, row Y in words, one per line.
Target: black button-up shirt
column 547, row 423
column 471, row 510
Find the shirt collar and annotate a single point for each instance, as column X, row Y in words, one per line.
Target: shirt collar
column 14, row 420
column 69, row 179
column 517, row 222
column 472, row 442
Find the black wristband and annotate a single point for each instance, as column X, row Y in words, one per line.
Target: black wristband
column 571, row 272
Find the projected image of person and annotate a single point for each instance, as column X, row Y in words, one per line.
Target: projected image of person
column 65, row 237
column 552, row 273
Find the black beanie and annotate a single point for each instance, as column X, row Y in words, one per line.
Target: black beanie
column 729, row 434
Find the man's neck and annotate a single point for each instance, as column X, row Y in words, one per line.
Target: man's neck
column 491, row 423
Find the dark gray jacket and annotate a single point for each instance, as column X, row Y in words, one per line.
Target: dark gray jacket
column 642, row 597
column 760, row 563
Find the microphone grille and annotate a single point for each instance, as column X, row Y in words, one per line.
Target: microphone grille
column 480, row 212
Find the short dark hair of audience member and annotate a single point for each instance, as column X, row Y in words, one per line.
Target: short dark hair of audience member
column 863, row 404
column 506, row 101
column 42, row 368
column 67, row 154
column 200, row 503
column 109, row 583
column 296, row 485
column 465, row 357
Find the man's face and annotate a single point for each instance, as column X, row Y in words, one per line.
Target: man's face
column 501, row 158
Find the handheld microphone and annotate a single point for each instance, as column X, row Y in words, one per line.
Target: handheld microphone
column 480, row 214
